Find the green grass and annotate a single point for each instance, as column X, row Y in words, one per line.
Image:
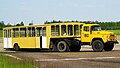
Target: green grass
column 117, row 32
column 8, row 62
column 1, row 33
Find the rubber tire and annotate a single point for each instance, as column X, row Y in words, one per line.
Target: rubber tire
column 65, row 46
column 16, row 47
column 76, row 46
column 97, row 46
column 108, row 46
column 53, row 47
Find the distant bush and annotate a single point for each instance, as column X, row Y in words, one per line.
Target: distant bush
column 104, row 25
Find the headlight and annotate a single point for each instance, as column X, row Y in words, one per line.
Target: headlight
column 112, row 37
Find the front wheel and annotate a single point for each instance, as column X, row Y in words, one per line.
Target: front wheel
column 97, row 46
column 109, row 46
column 16, row 47
column 62, row 46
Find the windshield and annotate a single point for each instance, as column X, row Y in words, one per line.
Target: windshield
column 96, row 28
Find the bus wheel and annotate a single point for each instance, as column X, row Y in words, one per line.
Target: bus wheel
column 16, row 47
column 109, row 46
column 76, row 46
column 53, row 47
column 97, row 46
column 62, row 46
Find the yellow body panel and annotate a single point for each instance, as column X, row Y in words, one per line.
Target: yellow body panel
column 38, row 42
column 48, row 36
column 104, row 35
column 29, row 42
column 15, row 40
column 85, row 35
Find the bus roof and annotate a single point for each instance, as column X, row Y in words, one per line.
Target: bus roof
column 23, row 26
column 42, row 25
column 91, row 24
column 65, row 23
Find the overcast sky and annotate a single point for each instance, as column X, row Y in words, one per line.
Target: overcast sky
column 39, row 11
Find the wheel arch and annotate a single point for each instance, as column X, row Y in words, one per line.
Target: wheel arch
column 96, row 39
column 56, row 40
column 15, row 44
column 16, row 47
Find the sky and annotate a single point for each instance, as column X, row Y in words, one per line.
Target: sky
column 39, row 11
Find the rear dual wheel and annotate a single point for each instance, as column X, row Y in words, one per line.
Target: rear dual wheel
column 76, row 45
column 53, row 47
column 68, row 45
column 62, row 46
column 75, row 48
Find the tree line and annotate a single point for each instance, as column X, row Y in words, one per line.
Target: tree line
column 104, row 25
column 2, row 24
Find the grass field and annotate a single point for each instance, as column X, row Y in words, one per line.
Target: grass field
column 1, row 33
column 117, row 32
column 8, row 62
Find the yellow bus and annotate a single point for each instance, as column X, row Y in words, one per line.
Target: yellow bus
column 55, row 36
column 66, row 36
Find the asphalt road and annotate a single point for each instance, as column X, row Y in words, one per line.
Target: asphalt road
column 83, row 59
column 86, row 58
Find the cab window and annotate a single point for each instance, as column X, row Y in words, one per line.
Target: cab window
column 86, row 28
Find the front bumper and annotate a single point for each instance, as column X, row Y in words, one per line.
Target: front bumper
column 115, row 42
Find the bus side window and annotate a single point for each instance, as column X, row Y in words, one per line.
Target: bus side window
column 63, row 30
column 39, row 31
column 70, row 30
column 44, row 31
column 57, row 30
column 22, row 32
column 13, row 33
column 5, row 33
column 9, row 33
column 31, row 32
column 53, row 30
column 86, row 28
column 76, row 30
column 16, row 32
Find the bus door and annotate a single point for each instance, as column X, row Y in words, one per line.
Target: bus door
column 7, row 39
column 41, row 37
column 85, row 37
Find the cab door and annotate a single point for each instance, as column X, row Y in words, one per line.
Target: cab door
column 85, row 37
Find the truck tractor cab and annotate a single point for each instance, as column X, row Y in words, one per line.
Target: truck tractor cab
column 100, row 40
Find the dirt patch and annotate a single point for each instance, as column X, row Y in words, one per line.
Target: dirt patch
column 1, row 40
column 1, row 44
